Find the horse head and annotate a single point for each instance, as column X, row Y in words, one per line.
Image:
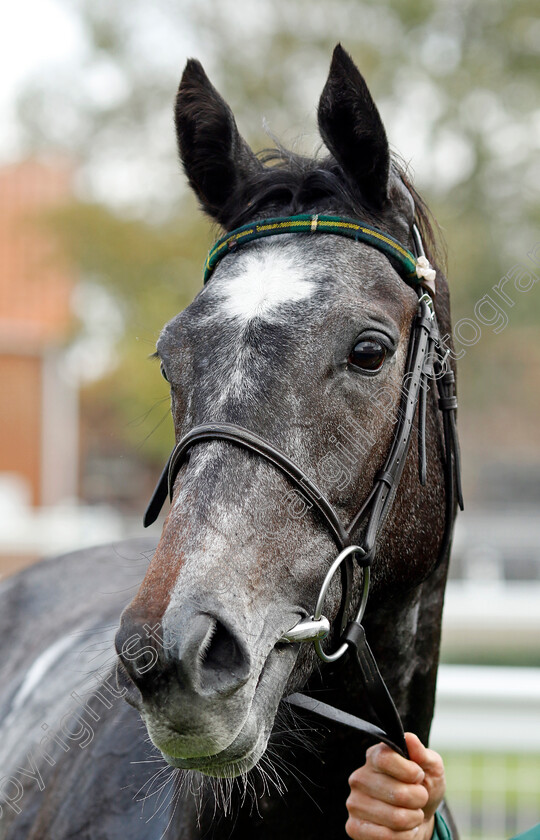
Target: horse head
column 303, row 340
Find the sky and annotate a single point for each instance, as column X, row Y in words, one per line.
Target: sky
column 52, row 38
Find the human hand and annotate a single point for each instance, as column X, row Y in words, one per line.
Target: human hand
column 393, row 798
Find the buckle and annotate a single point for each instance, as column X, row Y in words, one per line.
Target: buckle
column 428, row 300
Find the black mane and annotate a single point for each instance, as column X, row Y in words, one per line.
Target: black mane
column 287, row 184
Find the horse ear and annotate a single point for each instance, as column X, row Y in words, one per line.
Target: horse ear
column 214, row 155
column 352, row 129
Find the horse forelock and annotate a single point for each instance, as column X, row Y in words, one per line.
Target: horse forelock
column 288, row 183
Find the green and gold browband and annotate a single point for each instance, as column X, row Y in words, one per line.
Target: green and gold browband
column 412, row 270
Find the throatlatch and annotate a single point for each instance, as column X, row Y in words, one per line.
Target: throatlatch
column 427, row 359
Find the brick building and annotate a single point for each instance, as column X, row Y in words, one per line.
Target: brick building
column 38, row 405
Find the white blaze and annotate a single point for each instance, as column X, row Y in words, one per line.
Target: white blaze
column 266, row 282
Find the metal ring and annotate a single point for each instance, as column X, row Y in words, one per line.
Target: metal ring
column 351, row 549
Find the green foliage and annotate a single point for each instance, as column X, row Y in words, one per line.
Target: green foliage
column 152, row 272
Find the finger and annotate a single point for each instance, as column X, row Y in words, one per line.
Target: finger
column 384, row 760
column 429, row 760
column 364, row 830
column 361, row 806
column 388, row 789
column 434, row 780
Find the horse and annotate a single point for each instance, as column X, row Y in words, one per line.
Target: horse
column 300, row 402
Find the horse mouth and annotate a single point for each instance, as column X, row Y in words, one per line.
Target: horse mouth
column 219, row 765
column 249, row 744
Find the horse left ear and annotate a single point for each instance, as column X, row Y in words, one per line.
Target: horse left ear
column 215, row 156
column 352, row 129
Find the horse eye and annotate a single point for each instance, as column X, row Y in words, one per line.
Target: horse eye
column 367, row 355
column 163, row 373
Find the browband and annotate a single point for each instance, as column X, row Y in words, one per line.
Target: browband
column 407, row 263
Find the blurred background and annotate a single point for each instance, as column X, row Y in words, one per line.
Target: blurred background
column 101, row 244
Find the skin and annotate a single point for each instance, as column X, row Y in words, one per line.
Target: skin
column 393, row 798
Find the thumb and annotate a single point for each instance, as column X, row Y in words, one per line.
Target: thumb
column 429, row 760
column 433, row 767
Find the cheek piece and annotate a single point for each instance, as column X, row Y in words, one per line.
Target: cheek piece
column 356, row 542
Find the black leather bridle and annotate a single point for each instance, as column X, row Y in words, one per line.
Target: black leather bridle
column 427, row 359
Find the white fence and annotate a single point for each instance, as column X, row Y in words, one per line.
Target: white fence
column 494, row 617
column 487, row 727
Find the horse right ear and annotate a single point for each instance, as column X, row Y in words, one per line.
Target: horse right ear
column 352, row 129
column 215, row 157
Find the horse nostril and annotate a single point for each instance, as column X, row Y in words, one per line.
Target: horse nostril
column 210, row 657
column 137, row 654
column 224, row 661
column 198, row 653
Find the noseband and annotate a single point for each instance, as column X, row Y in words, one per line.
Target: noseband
column 426, row 359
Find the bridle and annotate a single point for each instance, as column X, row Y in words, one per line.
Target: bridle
column 427, row 358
